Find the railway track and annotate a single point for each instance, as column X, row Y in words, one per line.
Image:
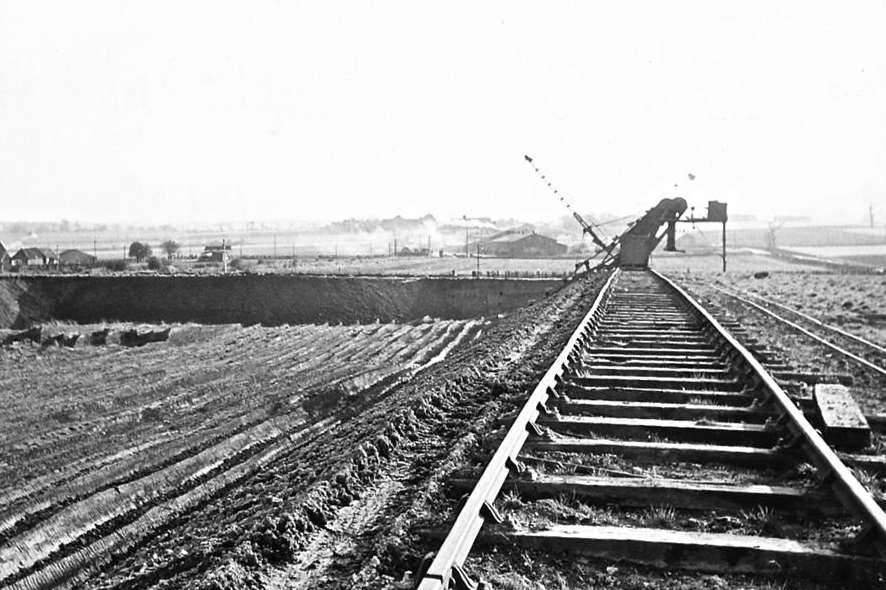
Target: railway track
column 862, row 346
column 657, row 438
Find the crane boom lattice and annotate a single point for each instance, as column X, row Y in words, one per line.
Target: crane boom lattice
column 586, row 227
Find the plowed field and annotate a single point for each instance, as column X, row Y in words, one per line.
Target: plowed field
column 97, row 439
column 250, row 457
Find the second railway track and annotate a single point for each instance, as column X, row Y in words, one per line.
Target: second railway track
column 826, row 335
column 656, row 438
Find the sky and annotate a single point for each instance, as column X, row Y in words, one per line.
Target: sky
column 182, row 112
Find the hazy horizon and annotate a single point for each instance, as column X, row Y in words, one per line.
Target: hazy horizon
column 606, row 219
column 207, row 112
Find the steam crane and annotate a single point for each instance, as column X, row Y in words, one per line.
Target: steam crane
column 634, row 246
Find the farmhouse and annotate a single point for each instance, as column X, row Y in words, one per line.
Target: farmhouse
column 33, row 257
column 76, row 257
column 215, row 253
column 521, row 243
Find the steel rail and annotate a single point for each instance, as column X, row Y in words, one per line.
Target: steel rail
column 848, row 489
column 802, row 330
column 812, row 319
column 473, row 514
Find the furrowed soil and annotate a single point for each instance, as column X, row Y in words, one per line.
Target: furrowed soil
column 103, row 445
column 233, row 457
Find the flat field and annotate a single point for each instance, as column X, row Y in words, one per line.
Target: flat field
column 449, row 265
column 856, row 301
column 736, row 262
column 870, row 255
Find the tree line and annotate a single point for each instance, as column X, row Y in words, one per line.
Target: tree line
column 142, row 250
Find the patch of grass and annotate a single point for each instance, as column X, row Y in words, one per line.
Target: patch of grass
column 869, row 480
column 653, row 437
column 511, row 499
column 762, row 520
column 702, row 401
column 805, row 471
column 659, row 516
column 569, row 499
column 878, row 445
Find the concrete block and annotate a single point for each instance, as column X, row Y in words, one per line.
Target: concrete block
column 844, row 423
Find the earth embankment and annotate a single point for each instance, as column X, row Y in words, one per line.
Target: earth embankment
column 258, row 299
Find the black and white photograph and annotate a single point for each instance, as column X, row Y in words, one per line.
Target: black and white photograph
column 402, row 295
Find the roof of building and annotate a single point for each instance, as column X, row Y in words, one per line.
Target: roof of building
column 74, row 255
column 514, row 235
column 31, row 253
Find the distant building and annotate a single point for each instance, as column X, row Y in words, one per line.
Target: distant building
column 520, row 243
column 215, row 253
column 406, row 251
column 33, row 257
column 73, row 258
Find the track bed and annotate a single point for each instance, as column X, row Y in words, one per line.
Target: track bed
column 658, row 440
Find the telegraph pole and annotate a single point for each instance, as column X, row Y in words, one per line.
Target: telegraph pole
column 724, row 246
column 467, row 254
